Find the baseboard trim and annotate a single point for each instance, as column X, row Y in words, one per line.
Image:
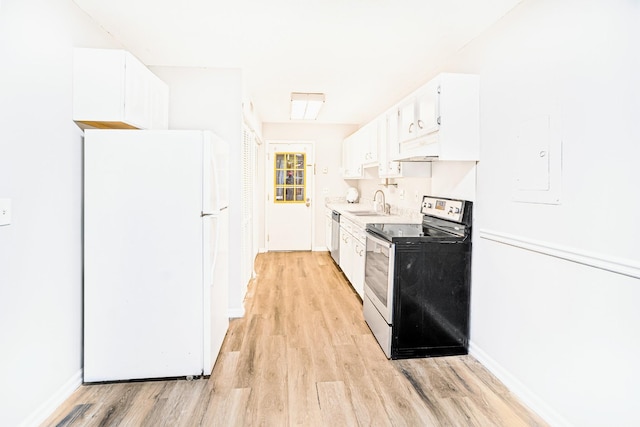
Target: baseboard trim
column 320, row 249
column 45, row 410
column 236, row 313
column 529, row 398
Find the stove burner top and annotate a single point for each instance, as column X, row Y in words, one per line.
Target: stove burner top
column 415, row 232
column 409, row 230
column 443, row 220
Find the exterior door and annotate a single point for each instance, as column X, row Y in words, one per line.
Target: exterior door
column 289, row 196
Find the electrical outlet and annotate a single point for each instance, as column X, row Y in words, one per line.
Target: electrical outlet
column 5, row 211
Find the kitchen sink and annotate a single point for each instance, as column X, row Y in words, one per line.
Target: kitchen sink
column 367, row 213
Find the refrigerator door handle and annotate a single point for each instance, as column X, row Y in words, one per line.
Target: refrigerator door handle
column 203, row 214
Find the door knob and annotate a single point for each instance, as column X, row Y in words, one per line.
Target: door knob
column 308, row 202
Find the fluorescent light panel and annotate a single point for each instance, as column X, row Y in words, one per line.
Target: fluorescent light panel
column 306, row 106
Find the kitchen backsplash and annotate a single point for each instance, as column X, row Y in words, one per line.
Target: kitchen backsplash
column 404, row 199
column 335, row 200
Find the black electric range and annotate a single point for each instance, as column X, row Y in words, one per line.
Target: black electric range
column 417, row 281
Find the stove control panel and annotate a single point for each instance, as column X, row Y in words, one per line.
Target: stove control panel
column 451, row 210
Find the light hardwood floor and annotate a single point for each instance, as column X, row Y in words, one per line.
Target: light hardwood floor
column 303, row 355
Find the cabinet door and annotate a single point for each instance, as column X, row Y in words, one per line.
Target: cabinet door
column 158, row 103
column 113, row 89
column 369, row 141
column 406, row 120
column 358, row 267
column 347, row 157
column 357, row 149
column 350, row 258
column 98, row 85
column 351, row 157
column 345, row 252
column 382, row 145
column 387, row 150
column 328, row 223
column 355, row 162
column 136, row 93
column 393, row 137
column 427, row 109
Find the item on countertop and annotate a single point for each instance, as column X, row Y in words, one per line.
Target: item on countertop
column 352, row 195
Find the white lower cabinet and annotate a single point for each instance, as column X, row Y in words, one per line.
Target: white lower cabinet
column 345, row 249
column 352, row 251
column 359, row 248
column 328, row 223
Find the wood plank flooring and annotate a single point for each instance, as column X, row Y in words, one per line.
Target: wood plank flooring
column 303, row 356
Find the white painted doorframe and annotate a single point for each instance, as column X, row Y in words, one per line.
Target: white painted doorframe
column 295, row 221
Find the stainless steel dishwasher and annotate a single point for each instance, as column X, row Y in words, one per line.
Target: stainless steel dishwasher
column 335, row 236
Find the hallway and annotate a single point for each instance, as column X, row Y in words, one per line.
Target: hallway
column 303, row 355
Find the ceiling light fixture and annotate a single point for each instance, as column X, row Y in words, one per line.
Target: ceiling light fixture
column 306, row 106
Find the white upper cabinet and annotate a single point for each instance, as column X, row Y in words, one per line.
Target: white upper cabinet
column 368, row 138
column 351, row 158
column 113, row 89
column 441, row 120
column 159, row 103
column 418, row 115
column 386, row 168
column 360, row 150
column 388, row 149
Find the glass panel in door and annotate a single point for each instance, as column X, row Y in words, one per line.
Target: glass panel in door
column 290, row 179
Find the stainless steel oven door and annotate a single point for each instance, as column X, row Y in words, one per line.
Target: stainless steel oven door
column 378, row 275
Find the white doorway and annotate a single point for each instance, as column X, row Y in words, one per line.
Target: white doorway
column 289, row 199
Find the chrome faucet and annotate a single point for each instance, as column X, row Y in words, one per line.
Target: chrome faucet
column 385, row 207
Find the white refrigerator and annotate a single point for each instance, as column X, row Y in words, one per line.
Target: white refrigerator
column 155, row 253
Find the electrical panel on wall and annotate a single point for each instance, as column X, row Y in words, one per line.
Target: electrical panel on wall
column 537, row 161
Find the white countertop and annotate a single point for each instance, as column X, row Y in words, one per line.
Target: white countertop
column 348, row 209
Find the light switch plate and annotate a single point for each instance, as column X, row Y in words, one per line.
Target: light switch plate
column 5, row 211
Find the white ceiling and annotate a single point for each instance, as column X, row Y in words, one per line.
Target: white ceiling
column 364, row 55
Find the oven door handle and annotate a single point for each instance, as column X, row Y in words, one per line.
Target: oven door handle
column 378, row 240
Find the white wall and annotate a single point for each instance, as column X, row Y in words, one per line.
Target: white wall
column 211, row 98
column 456, row 180
column 328, row 150
column 41, row 171
column 560, row 332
